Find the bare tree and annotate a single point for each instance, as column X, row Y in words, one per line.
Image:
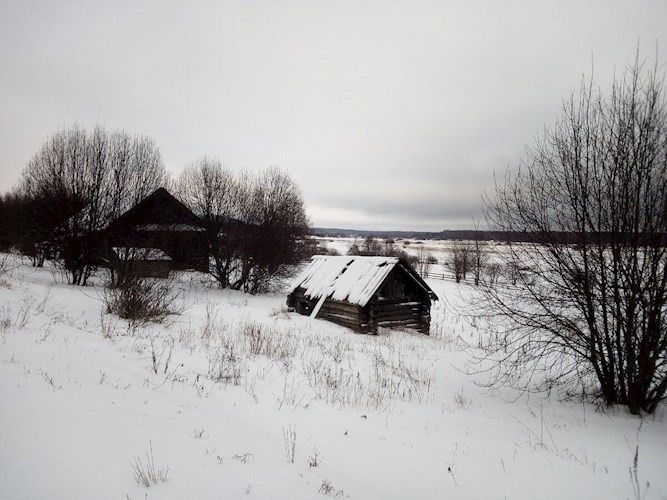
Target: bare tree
column 371, row 246
column 83, row 180
column 493, row 271
column 215, row 194
column 67, row 171
column 256, row 225
column 135, row 171
column 478, row 259
column 277, row 226
column 461, row 259
column 478, row 254
column 425, row 261
column 590, row 315
column 389, row 246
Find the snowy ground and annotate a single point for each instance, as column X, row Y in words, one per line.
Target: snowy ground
column 228, row 392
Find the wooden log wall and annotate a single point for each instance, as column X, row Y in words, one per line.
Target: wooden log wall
column 412, row 314
column 345, row 314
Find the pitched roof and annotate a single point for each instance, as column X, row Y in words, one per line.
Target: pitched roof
column 161, row 210
column 350, row 278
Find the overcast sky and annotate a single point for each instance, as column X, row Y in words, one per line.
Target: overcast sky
column 388, row 114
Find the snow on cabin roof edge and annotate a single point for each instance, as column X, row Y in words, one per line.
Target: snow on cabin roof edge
column 345, row 278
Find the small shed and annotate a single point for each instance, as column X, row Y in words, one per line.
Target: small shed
column 363, row 293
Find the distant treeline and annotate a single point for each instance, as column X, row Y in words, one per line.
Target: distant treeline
column 562, row 237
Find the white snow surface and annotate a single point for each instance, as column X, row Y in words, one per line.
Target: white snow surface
column 345, row 278
column 216, row 390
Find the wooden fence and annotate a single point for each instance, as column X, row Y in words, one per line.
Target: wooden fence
column 436, row 276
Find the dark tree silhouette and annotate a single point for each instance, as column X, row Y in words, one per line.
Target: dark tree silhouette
column 256, row 225
column 79, row 181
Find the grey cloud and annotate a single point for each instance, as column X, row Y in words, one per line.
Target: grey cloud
column 388, row 114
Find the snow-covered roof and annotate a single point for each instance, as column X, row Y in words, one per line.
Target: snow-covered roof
column 346, row 278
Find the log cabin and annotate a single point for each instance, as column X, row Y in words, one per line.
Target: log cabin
column 162, row 232
column 363, row 293
column 157, row 235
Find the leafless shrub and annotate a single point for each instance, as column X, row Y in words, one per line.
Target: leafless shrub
column 211, row 323
column 270, row 341
column 146, row 474
column 5, row 318
column 493, row 272
column 255, row 337
column 186, row 337
column 315, row 459
column 328, row 489
column 225, row 361
column 250, row 389
column 25, row 312
column 161, row 354
column 108, row 325
column 244, row 458
column 392, row 378
column 338, row 349
column 140, row 299
column 49, row 380
column 512, row 272
column 332, row 383
column 289, row 438
column 461, row 400
column 290, row 394
column 6, row 266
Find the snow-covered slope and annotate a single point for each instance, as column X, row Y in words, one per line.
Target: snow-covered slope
column 226, row 392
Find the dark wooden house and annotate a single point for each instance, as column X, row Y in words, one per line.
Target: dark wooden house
column 157, row 235
column 363, row 293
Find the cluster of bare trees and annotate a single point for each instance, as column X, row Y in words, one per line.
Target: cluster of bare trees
column 381, row 247
column 425, row 261
column 79, row 181
column 422, row 261
column 592, row 315
column 471, row 257
column 256, row 224
column 75, row 184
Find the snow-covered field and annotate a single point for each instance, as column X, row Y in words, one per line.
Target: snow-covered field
column 440, row 250
column 235, row 397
